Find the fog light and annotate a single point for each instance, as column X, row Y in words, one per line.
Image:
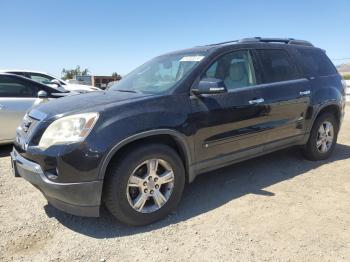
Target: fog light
column 51, row 176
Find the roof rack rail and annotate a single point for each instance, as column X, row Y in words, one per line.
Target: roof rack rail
column 222, row 43
column 290, row 41
column 300, row 42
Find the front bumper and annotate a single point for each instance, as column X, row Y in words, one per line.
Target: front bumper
column 82, row 199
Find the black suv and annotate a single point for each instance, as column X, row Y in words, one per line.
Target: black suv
column 135, row 146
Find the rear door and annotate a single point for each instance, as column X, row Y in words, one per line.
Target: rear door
column 16, row 97
column 285, row 94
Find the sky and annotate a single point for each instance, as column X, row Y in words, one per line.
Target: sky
column 116, row 36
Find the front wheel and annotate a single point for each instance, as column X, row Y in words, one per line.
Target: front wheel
column 145, row 185
column 323, row 137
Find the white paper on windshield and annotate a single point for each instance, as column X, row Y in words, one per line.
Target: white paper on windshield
column 196, row 58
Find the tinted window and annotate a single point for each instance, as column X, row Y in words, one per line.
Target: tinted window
column 19, row 73
column 315, row 62
column 235, row 69
column 277, row 66
column 12, row 87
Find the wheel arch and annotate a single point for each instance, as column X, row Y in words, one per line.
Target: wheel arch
column 173, row 138
column 332, row 107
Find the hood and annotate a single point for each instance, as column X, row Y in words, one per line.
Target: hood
column 59, row 88
column 75, row 87
column 93, row 101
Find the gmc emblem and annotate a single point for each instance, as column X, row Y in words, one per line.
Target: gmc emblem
column 26, row 124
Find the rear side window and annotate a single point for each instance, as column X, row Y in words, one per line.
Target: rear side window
column 277, row 66
column 12, row 87
column 315, row 62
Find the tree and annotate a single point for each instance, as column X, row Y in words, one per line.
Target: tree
column 116, row 76
column 71, row 73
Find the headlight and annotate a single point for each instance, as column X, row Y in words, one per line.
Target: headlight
column 69, row 129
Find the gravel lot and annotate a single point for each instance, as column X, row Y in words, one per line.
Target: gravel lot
column 279, row 207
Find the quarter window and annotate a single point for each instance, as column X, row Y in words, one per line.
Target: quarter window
column 315, row 62
column 234, row 69
column 277, row 66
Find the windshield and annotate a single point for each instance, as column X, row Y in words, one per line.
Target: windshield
column 159, row 74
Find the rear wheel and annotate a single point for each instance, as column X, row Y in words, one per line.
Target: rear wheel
column 323, row 137
column 145, row 185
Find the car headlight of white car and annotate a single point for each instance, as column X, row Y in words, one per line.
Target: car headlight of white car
column 69, row 129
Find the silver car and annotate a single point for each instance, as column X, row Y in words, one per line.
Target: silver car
column 53, row 81
column 18, row 95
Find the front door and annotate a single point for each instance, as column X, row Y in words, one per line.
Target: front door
column 228, row 123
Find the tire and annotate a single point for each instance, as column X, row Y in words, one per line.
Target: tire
column 311, row 149
column 118, row 194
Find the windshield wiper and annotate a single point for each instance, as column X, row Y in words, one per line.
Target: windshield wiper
column 124, row 90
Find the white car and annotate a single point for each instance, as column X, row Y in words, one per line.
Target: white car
column 52, row 81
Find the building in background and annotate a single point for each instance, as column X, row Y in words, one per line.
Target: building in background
column 98, row 81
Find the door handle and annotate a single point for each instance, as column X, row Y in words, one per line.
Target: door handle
column 256, row 101
column 1, row 106
column 305, row 93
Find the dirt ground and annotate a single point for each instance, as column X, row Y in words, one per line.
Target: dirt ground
column 279, row 207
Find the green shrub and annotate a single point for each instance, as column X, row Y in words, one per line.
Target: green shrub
column 346, row 76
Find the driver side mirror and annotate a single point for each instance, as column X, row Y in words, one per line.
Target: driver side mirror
column 55, row 82
column 42, row 94
column 210, row 86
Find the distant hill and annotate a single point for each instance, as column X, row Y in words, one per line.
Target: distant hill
column 344, row 68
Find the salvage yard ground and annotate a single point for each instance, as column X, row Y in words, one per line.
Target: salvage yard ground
column 279, row 207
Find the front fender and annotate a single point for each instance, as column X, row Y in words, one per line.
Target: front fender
column 180, row 138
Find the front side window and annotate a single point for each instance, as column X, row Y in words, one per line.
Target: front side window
column 43, row 79
column 158, row 75
column 235, row 69
column 11, row 87
column 277, row 66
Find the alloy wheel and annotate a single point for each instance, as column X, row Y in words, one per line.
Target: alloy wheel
column 150, row 185
column 325, row 137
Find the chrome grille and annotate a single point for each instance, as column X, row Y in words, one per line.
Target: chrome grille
column 28, row 124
